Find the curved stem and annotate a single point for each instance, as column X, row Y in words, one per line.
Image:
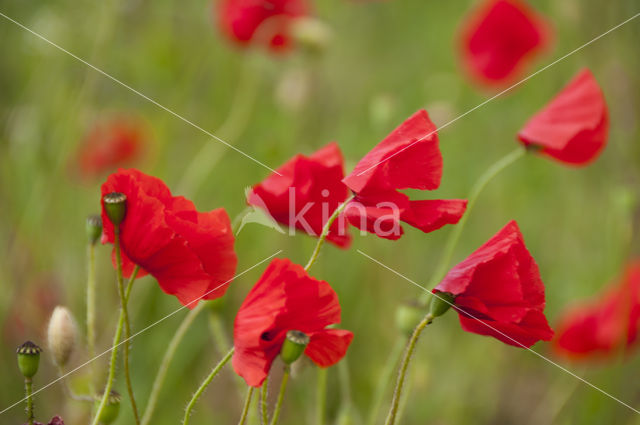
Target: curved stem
column 166, row 361
column 385, row 379
column 204, row 386
column 454, row 235
column 325, row 232
column 69, row 392
column 127, row 325
column 264, row 414
column 91, row 316
column 321, row 395
column 397, row 393
column 28, row 390
column 245, row 409
column 283, row 387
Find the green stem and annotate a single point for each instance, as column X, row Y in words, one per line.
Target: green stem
column 166, row 362
column 385, row 379
column 91, row 316
column 454, row 235
column 127, row 325
column 397, row 393
column 325, row 233
column 245, row 409
column 69, row 392
column 204, row 385
column 283, row 387
column 264, row 414
column 28, row 389
column 321, row 395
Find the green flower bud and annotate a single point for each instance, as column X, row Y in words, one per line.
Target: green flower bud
column 312, row 34
column 441, row 302
column 61, row 335
column 28, row 359
column 111, row 409
column 408, row 316
column 115, row 205
column 293, row 346
column 94, row 228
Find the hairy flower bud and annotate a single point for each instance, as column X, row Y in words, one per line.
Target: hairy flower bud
column 293, row 346
column 61, row 335
column 28, row 359
column 115, row 205
column 111, row 409
column 94, row 228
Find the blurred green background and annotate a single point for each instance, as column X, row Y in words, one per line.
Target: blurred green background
column 386, row 60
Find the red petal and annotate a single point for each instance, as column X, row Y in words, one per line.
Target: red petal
column 431, row 215
column 329, row 346
column 531, row 329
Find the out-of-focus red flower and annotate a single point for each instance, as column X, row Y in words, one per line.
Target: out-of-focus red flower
column 498, row 38
column 286, row 298
column 574, row 126
column 266, row 22
column 109, row 145
column 190, row 253
column 604, row 326
column 498, row 291
column 306, row 193
column 408, row 158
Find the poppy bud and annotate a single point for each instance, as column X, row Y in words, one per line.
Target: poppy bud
column 94, row 228
column 28, row 358
column 440, row 303
column 115, row 205
column 293, row 346
column 111, row 409
column 311, row 33
column 408, row 315
column 61, row 335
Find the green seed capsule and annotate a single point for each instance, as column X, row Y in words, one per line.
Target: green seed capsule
column 115, row 205
column 28, row 359
column 293, row 346
column 111, row 409
column 94, row 228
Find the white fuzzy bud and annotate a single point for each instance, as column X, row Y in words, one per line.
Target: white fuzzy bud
column 61, row 335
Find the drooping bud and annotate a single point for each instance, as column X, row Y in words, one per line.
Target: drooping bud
column 111, row 408
column 408, row 315
column 115, row 205
column 311, row 34
column 94, row 228
column 28, row 359
column 441, row 302
column 61, row 335
column 293, row 346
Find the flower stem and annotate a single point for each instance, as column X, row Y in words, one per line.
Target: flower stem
column 325, row 232
column 127, row 325
column 28, row 390
column 264, row 414
column 283, row 387
column 397, row 393
column 245, row 409
column 91, row 316
column 204, row 386
column 476, row 190
column 385, row 378
column 166, row 362
column 321, row 395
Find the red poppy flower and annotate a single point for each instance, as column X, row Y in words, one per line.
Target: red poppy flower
column 574, row 126
column 266, row 22
column 498, row 38
column 190, row 253
column 498, row 291
column 605, row 325
column 408, row 158
column 306, row 193
column 109, row 145
column 286, row 298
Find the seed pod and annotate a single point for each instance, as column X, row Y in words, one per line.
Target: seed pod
column 94, row 228
column 115, row 205
column 111, row 409
column 28, row 359
column 293, row 346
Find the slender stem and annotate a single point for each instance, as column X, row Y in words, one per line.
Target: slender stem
column 166, row 362
column 204, row 385
column 28, row 390
column 385, row 379
column 283, row 387
column 91, row 316
column 69, row 392
column 245, row 409
column 264, row 414
column 321, row 395
column 127, row 325
column 476, row 190
column 325, row 232
column 397, row 393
